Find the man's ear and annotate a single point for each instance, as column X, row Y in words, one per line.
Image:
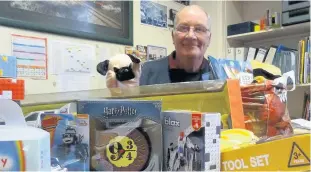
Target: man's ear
column 134, row 59
column 115, row 70
column 209, row 40
column 102, row 67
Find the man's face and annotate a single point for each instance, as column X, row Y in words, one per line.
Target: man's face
column 191, row 36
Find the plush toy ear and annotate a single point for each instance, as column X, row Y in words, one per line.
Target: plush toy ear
column 115, row 69
column 102, row 67
column 134, row 59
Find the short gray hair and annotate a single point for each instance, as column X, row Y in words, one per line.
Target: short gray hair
column 209, row 21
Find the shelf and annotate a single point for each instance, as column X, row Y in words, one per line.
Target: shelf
column 296, row 29
column 303, row 85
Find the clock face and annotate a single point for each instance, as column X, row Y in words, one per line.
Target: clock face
column 128, row 153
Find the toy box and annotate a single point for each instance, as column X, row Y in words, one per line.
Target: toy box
column 275, row 154
column 22, row 148
column 8, row 66
column 69, row 141
column 191, row 141
column 12, row 89
column 125, row 135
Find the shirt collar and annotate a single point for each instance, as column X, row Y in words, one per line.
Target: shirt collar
column 173, row 63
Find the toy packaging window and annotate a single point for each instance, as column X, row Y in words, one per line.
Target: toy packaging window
column 191, row 141
column 126, row 135
column 69, row 141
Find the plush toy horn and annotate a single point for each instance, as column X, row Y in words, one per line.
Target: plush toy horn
column 102, row 67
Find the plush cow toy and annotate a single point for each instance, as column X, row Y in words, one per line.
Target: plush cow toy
column 121, row 71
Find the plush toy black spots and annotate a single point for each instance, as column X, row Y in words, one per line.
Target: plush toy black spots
column 121, row 71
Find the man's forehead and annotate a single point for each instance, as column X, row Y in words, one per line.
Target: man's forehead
column 192, row 16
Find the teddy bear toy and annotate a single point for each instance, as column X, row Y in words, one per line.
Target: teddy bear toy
column 121, row 71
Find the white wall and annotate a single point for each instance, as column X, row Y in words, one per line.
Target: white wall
column 142, row 36
column 216, row 11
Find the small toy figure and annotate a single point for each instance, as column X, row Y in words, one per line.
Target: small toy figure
column 70, row 137
column 186, row 154
column 121, row 71
column 72, row 142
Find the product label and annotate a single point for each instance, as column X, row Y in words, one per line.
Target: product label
column 122, row 151
column 12, row 158
column 298, row 157
column 196, row 119
column 244, row 164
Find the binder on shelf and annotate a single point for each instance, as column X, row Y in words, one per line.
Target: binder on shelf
column 231, row 53
column 241, row 53
column 261, row 54
column 251, row 54
column 271, row 54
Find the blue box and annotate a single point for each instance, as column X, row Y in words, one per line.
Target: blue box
column 126, row 135
column 8, row 66
column 69, row 141
column 240, row 28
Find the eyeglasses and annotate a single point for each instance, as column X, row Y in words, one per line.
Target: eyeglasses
column 198, row 30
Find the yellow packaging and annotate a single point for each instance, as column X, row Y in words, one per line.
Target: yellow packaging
column 256, row 28
column 287, row 154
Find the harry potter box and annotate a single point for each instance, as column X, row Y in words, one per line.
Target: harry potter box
column 125, row 135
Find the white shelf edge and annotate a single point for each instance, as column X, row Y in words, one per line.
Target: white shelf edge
column 239, row 37
column 304, row 85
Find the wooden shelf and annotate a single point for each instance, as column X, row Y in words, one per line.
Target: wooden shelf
column 297, row 29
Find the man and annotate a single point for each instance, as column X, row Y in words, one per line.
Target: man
column 191, row 37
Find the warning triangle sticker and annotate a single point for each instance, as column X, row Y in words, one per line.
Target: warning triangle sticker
column 297, row 157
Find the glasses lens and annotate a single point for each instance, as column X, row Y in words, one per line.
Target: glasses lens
column 183, row 28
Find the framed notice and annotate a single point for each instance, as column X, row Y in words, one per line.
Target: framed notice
column 31, row 55
column 155, row 52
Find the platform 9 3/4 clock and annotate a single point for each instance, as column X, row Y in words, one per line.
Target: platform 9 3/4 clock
column 129, row 153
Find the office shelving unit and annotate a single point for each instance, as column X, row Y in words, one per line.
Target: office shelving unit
column 289, row 36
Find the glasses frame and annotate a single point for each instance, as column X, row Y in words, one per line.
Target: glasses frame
column 207, row 32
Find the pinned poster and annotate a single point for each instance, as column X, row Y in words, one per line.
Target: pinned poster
column 31, row 55
column 74, row 58
column 298, row 157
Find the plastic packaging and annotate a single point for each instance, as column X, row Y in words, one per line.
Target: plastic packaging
column 22, row 148
column 265, row 108
column 236, row 138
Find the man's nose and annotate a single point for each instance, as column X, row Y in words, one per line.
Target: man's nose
column 191, row 34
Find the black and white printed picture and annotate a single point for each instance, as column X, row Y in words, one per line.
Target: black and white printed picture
column 183, row 2
column 172, row 14
column 104, row 13
column 153, row 14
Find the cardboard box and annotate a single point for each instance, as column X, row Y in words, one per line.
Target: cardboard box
column 8, row 66
column 22, row 148
column 287, row 154
column 126, row 135
column 191, row 141
column 69, row 141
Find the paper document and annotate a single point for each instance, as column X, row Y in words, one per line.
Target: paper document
column 31, row 54
column 71, row 57
column 301, row 123
column 71, row 82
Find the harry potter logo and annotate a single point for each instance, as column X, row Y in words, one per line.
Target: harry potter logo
column 119, row 112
